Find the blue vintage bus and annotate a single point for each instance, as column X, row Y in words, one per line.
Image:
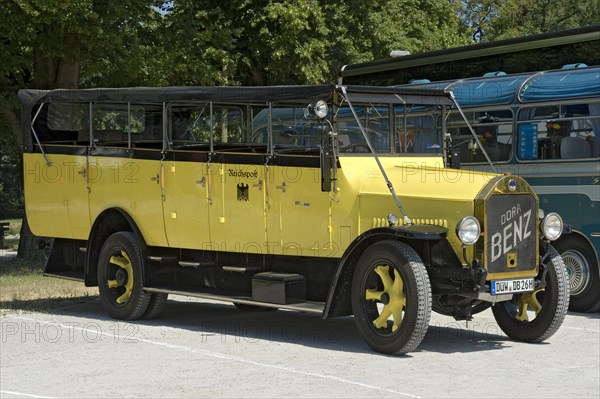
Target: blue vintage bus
column 543, row 126
column 536, row 113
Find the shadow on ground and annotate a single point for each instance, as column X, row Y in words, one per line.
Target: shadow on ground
column 215, row 322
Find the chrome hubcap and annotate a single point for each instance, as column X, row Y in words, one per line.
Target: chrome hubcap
column 578, row 270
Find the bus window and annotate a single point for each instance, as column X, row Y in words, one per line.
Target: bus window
column 189, row 124
column 418, row 134
column 228, row 126
column 112, row 123
column 291, row 125
column 63, row 123
column 493, row 129
column 559, row 132
column 374, row 119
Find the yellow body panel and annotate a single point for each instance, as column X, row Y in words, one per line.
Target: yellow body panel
column 268, row 209
column 237, row 206
column 133, row 185
column 297, row 212
column 56, row 196
column 186, row 206
column 429, row 193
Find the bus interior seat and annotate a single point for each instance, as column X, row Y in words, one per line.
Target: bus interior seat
column 575, row 147
column 595, row 144
column 84, row 136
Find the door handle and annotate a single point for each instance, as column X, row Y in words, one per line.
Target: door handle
column 282, row 187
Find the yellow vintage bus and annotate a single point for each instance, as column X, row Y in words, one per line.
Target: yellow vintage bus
column 336, row 200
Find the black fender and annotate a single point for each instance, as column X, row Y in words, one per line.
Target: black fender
column 108, row 222
column 338, row 298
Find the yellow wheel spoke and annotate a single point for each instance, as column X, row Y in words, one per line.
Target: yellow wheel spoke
column 383, row 272
column 112, row 284
column 396, row 301
column 398, row 285
column 119, row 261
column 534, row 303
column 373, row 295
column 528, row 300
column 397, row 306
column 126, row 256
column 123, row 262
column 124, row 298
column 381, row 321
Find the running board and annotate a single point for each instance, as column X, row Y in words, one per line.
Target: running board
column 308, row 307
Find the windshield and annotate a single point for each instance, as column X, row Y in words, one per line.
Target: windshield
column 391, row 130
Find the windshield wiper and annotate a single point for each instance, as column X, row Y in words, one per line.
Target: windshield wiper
column 483, row 151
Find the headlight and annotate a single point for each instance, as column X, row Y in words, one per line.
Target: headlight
column 552, row 226
column 468, row 230
column 319, row 110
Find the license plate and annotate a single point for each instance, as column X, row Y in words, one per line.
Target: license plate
column 511, row 286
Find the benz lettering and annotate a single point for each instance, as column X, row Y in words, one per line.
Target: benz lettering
column 514, row 229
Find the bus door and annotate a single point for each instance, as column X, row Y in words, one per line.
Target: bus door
column 237, row 203
column 297, row 210
column 57, row 178
column 236, row 182
column 125, row 170
column 186, row 200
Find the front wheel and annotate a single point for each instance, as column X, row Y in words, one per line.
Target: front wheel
column 535, row 316
column 120, row 266
column 391, row 297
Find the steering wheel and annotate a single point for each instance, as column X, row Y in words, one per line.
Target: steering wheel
column 354, row 148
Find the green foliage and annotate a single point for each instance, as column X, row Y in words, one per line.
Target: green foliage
column 11, row 198
column 493, row 20
column 264, row 42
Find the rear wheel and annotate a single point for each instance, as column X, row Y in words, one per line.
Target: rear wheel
column 155, row 305
column 391, row 297
column 535, row 316
column 120, row 266
column 582, row 269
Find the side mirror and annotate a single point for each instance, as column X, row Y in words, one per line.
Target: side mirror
column 454, row 158
column 327, row 160
column 452, row 154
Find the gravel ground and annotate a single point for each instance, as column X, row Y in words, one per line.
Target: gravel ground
column 205, row 349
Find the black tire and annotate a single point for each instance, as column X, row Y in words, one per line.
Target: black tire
column 412, row 301
column 156, row 305
column 122, row 294
column 582, row 269
column 553, row 298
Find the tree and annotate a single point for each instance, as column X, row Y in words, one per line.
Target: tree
column 48, row 44
column 265, row 42
column 493, row 20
